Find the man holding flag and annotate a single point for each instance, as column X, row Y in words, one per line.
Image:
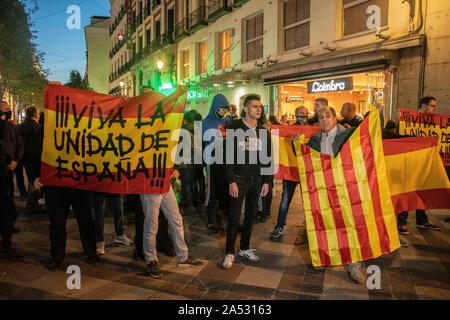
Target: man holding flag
column 329, row 141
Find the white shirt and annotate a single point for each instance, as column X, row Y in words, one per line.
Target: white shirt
column 326, row 143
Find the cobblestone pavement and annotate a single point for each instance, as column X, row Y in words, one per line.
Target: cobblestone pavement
column 420, row 271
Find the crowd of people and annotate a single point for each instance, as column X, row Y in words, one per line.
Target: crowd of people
column 222, row 186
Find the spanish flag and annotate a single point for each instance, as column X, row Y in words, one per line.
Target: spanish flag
column 103, row 143
column 346, row 199
column 416, row 174
column 286, row 167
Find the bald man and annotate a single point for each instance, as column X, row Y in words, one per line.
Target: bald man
column 348, row 112
column 301, row 115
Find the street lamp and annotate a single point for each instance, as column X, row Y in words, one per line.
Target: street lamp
column 160, row 64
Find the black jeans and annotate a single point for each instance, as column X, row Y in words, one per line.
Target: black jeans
column 249, row 188
column 421, row 218
column 8, row 213
column 19, row 178
column 217, row 191
column 58, row 201
column 267, row 202
column 8, row 216
column 186, row 177
column 198, row 183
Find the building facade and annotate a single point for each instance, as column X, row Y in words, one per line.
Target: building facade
column 287, row 51
column 97, row 44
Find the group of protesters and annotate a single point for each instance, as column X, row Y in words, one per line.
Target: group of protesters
column 222, row 186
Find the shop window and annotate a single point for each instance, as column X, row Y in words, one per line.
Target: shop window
column 364, row 15
column 225, row 49
column 254, row 35
column 185, row 64
column 361, row 89
column 203, row 57
column 296, row 24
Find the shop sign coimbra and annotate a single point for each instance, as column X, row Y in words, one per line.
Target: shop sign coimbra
column 330, row 85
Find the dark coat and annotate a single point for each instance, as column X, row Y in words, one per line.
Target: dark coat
column 32, row 138
column 342, row 135
column 13, row 142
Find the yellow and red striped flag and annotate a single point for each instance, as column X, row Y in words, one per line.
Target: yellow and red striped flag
column 416, row 174
column 286, row 167
column 109, row 144
column 348, row 208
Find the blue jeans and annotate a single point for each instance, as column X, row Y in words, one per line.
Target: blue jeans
column 286, row 198
column 115, row 203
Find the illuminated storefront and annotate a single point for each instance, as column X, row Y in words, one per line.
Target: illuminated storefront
column 362, row 89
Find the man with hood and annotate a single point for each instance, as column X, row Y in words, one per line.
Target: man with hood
column 216, row 120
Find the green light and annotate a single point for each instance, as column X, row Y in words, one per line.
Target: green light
column 167, row 89
column 194, row 94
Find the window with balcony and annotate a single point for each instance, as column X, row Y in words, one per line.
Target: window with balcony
column 364, row 15
column 296, row 24
column 185, row 64
column 254, row 36
column 225, row 49
column 203, row 57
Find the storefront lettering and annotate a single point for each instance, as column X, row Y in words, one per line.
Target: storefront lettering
column 340, row 84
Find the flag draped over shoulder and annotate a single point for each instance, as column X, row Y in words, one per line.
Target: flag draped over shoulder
column 286, row 167
column 417, row 178
column 348, row 208
column 108, row 144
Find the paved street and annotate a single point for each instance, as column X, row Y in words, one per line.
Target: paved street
column 421, row 271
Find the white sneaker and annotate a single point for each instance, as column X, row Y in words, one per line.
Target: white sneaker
column 249, row 255
column 101, row 248
column 41, row 201
column 228, row 261
column 123, row 239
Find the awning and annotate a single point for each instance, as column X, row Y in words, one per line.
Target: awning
column 330, row 72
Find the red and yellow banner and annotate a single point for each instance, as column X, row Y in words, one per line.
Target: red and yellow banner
column 419, row 124
column 348, row 208
column 108, row 144
column 286, row 167
column 416, row 175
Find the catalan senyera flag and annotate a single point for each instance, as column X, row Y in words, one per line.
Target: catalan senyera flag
column 346, row 199
column 286, row 167
column 416, row 175
column 110, row 144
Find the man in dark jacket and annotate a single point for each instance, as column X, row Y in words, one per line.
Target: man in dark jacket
column 31, row 133
column 301, row 116
column 13, row 144
column 318, row 104
column 329, row 141
column 348, row 112
column 246, row 176
column 8, row 213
